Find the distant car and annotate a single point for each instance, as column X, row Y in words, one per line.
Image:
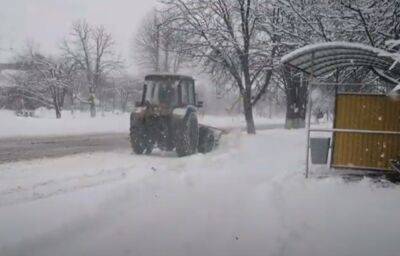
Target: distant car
column 25, row 112
column 166, row 117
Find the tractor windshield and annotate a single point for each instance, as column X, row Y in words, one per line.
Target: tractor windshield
column 162, row 92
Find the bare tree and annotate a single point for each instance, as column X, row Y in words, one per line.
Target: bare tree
column 126, row 88
column 239, row 41
column 46, row 80
column 303, row 22
column 92, row 49
column 223, row 36
column 157, row 45
column 291, row 24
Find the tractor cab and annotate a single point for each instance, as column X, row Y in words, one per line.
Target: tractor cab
column 166, row 118
column 168, row 91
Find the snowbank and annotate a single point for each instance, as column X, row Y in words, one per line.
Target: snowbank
column 249, row 197
column 45, row 124
column 237, row 121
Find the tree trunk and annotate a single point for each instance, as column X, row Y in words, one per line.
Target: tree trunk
column 124, row 102
column 57, row 107
column 92, row 110
column 270, row 109
column 92, row 103
column 55, row 94
column 58, row 113
column 248, row 114
column 72, row 102
column 157, row 64
column 166, row 60
column 296, row 100
column 113, row 103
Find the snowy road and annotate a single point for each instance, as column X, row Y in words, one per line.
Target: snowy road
column 16, row 149
column 249, row 197
column 25, row 148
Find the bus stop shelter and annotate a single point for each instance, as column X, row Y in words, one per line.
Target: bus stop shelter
column 360, row 139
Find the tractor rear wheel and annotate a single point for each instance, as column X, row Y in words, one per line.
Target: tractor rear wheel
column 187, row 137
column 140, row 141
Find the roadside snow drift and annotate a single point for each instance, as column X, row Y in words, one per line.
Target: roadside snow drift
column 45, row 124
column 249, row 197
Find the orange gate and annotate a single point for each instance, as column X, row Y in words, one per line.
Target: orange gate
column 367, row 132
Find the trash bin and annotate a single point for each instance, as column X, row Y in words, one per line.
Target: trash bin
column 319, row 150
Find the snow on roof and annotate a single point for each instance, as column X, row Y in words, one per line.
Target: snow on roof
column 396, row 89
column 331, row 45
column 170, row 75
column 323, row 58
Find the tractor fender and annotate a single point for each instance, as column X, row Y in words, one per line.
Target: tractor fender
column 136, row 116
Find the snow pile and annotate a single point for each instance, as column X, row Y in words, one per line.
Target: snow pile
column 249, row 197
column 237, row 121
column 45, row 124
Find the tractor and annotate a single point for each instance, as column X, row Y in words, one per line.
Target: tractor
column 167, row 118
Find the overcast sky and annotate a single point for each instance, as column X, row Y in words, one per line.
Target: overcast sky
column 46, row 22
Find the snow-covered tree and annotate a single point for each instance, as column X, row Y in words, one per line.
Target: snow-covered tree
column 223, row 36
column 239, row 42
column 303, row 22
column 157, row 45
column 45, row 79
column 91, row 48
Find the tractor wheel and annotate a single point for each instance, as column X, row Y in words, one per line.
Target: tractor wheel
column 187, row 137
column 149, row 146
column 206, row 140
column 139, row 139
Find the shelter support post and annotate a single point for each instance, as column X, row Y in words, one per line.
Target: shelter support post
column 308, row 116
column 308, row 128
column 320, row 60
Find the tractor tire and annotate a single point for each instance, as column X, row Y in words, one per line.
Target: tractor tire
column 187, row 137
column 206, row 140
column 140, row 140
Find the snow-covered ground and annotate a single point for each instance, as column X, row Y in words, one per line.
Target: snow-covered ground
column 249, row 197
column 45, row 124
column 237, row 121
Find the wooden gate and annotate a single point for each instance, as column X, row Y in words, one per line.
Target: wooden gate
column 377, row 139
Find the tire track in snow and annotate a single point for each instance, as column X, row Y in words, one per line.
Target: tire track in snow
column 291, row 232
column 77, row 230
column 52, row 187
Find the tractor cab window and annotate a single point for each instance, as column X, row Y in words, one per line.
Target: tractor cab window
column 162, row 92
column 187, row 93
column 191, row 94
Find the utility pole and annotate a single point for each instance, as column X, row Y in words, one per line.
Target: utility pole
column 157, row 67
column 166, row 56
